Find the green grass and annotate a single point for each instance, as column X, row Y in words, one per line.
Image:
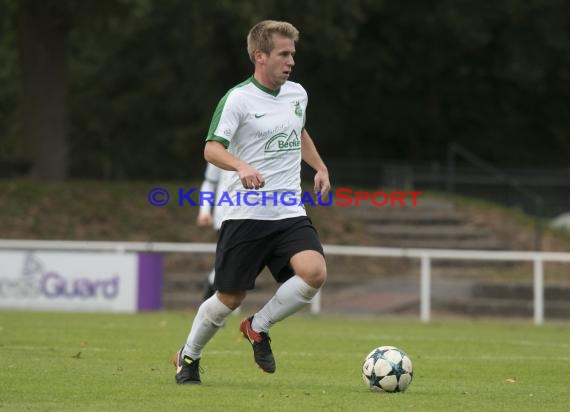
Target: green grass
column 105, row 362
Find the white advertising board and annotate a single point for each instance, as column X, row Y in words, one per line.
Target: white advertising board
column 80, row 281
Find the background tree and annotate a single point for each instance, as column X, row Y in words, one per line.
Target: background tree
column 12, row 155
column 387, row 80
column 43, row 30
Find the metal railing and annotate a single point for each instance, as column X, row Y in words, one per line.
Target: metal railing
column 425, row 256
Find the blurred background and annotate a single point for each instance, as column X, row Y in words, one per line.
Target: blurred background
column 388, row 81
column 465, row 101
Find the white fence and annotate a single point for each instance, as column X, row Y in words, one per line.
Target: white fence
column 425, row 256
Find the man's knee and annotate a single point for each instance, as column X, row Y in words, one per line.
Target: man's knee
column 310, row 265
column 231, row 300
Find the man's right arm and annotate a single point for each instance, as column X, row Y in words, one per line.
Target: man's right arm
column 216, row 153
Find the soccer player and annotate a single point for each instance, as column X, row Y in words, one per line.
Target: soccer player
column 213, row 182
column 258, row 131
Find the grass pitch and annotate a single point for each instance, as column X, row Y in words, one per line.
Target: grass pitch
column 108, row 362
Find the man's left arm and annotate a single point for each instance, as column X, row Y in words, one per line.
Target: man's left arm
column 311, row 156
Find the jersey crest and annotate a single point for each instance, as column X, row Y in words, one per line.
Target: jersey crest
column 297, row 109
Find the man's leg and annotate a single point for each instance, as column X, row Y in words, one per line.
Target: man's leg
column 310, row 274
column 209, row 318
column 293, row 295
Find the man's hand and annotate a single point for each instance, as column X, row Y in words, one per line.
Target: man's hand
column 322, row 183
column 204, row 219
column 250, row 177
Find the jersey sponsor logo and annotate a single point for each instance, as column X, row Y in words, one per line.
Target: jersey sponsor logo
column 281, row 142
column 259, row 115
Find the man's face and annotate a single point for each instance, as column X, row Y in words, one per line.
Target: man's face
column 279, row 63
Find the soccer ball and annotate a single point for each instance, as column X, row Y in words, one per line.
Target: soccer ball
column 387, row 369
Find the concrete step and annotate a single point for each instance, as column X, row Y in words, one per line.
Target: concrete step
column 434, row 231
column 421, row 203
column 520, row 291
column 182, row 290
column 418, row 219
column 478, row 244
column 191, row 300
column 470, row 268
column 387, row 295
column 406, row 215
column 433, row 223
column 501, row 307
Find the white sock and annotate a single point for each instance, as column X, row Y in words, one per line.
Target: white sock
column 289, row 298
column 209, row 318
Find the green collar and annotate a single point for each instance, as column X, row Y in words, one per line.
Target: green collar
column 267, row 90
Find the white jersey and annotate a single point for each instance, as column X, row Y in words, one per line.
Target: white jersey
column 214, row 181
column 263, row 128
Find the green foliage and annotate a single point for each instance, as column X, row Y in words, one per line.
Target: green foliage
column 386, row 79
column 471, row 72
column 95, row 362
column 145, row 95
column 9, row 84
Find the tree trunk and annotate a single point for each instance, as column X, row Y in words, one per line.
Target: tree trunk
column 43, row 40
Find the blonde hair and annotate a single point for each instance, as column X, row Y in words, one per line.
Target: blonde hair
column 260, row 37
